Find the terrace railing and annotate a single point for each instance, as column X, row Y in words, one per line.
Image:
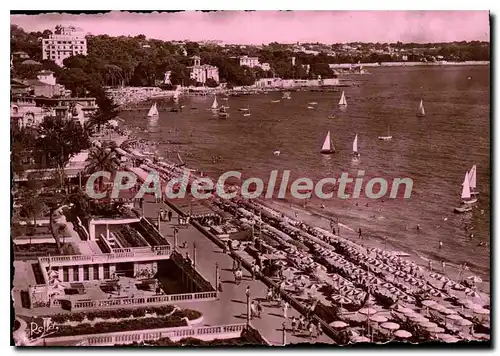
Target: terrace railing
column 206, row 333
column 151, row 254
column 143, row 301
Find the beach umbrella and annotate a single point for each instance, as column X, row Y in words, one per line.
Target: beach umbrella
column 390, row 326
column 338, row 324
column 437, row 307
column 367, row 311
column 361, row 339
column 438, row 330
column 458, row 286
column 403, row 309
column 402, row 334
column 417, row 318
column 463, row 322
column 378, row 318
column 474, row 306
column 447, row 338
column 447, row 311
column 454, row 317
column 429, row 302
column 481, row 311
column 475, row 279
column 428, row 325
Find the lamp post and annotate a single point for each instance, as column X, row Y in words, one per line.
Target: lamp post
column 284, row 333
column 217, row 277
column 159, row 220
column 194, row 254
column 175, row 237
column 247, row 292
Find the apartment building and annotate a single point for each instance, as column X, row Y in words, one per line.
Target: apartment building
column 64, row 43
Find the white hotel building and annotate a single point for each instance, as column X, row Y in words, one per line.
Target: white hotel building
column 64, row 43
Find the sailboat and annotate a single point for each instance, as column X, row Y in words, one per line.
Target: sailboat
column 466, row 198
column 343, row 101
column 421, row 110
column 287, row 95
column 355, row 147
column 215, row 104
column 247, row 113
column 388, row 137
column 472, row 180
column 153, row 111
column 328, row 147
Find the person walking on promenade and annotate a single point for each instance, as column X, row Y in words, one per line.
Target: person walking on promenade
column 259, row 309
column 418, row 227
column 252, row 270
column 238, row 276
column 169, row 215
column 359, row 233
column 294, row 325
column 219, row 283
column 285, row 309
column 235, row 265
column 176, row 232
column 301, row 323
column 310, row 329
column 443, row 264
column 430, row 266
column 269, row 296
column 253, row 310
column 440, row 244
column 319, row 332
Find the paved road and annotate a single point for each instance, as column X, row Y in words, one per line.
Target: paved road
column 231, row 306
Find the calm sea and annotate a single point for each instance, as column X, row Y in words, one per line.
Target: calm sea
column 435, row 151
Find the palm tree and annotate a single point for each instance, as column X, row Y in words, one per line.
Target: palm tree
column 33, row 206
column 102, row 159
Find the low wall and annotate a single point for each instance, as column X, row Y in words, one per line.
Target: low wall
column 206, row 333
column 143, row 301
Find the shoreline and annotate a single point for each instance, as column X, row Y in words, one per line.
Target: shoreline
column 321, row 218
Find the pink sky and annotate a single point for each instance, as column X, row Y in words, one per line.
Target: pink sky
column 285, row 27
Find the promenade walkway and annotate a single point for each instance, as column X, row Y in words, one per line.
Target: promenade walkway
column 231, row 306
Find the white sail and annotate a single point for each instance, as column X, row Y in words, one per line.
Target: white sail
column 466, row 187
column 327, row 145
column 421, row 110
column 215, row 105
column 472, row 177
column 355, row 144
column 343, row 100
column 153, row 110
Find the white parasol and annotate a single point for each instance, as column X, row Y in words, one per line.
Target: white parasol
column 454, row 317
column 390, row 326
column 463, row 322
column 481, row 311
column 338, row 324
column 402, row 334
column 429, row 302
column 378, row 318
column 447, row 338
column 367, row 311
column 475, row 279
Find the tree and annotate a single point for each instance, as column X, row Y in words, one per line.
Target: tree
column 102, row 159
column 211, row 83
column 32, row 205
column 60, row 139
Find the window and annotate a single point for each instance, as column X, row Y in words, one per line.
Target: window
column 86, row 273
column 76, row 273
column 96, row 272
column 65, row 274
column 106, row 272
